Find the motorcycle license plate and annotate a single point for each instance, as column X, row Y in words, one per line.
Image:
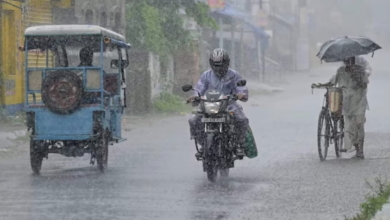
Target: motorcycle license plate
column 213, row 120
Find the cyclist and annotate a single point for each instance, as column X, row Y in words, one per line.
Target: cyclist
column 354, row 80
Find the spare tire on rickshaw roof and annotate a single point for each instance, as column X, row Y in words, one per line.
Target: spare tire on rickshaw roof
column 62, row 91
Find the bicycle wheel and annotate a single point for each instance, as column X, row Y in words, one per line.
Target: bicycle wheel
column 339, row 136
column 323, row 134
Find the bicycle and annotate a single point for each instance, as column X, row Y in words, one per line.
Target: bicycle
column 330, row 122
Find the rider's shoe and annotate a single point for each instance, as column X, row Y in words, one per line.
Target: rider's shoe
column 358, row 156
column 199, row 154
column 359, row 152
column 240, row 152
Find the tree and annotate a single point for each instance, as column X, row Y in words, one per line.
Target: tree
column 158, row 25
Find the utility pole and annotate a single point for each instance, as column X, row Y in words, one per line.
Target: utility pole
column 220, row 32
column 233, row 47
column 242, row 47
column 303, row 42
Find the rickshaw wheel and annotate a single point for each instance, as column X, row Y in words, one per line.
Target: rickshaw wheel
column 62, row 91
column 102, row 150
column 36, row 157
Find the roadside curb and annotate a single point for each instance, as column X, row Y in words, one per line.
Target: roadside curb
column 11, row 138
column 263, row 89
column 384, row 214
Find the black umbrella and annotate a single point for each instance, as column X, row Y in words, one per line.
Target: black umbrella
column 343, row 47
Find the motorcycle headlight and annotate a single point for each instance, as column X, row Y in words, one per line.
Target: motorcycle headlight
column 212, row 107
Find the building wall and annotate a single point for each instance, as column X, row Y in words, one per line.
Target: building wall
column 15, row 19
column 41, row 12
column 108, row 14
column 11, row 66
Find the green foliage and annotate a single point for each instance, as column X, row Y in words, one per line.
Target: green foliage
column 169, row 103
column 375, row 201
column 158, row 26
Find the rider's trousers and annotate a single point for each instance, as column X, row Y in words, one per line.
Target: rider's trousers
column 354, row 130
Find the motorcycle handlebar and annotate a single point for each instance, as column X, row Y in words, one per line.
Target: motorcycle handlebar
column 233, row 97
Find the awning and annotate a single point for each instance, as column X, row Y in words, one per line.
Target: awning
column 288, row 22
column 231, row 12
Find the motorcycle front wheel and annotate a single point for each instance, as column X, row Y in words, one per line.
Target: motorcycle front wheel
column 211, row 170
column 224, row 172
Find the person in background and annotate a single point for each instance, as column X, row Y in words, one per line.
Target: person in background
column 86, row 57
column 354, row 80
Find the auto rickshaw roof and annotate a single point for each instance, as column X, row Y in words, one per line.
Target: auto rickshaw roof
column 64, row 30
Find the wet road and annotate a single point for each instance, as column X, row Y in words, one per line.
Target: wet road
column 154, row 175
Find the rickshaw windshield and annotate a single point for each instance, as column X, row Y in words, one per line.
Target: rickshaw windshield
column 64, row 51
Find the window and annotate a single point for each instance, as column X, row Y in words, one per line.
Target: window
column 248, row 5
column 118, row 21
column 110, row 54
column 34, row 80
column 89, row 17
column 103, row 19
column 65, row 49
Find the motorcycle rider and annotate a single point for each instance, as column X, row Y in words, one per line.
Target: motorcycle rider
column 221, row 77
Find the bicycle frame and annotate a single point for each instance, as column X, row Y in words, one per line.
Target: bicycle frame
column 330, row 120
column 334, row 118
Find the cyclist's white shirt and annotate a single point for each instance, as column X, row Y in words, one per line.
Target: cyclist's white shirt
column 354, row 98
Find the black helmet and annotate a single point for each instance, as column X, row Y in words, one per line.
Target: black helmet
column 219, row 62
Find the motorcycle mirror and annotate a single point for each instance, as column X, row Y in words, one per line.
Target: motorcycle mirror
column 241, row 83
column 186, row 88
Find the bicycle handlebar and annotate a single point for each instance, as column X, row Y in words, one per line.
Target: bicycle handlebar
column 320, row 87
column 326, row 87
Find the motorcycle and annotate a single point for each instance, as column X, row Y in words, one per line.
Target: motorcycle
column 220, row 147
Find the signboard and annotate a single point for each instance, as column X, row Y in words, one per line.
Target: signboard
column 217, row 4
column 10, row 87
column 262, row 19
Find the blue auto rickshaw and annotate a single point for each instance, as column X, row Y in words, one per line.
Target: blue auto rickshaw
column 75, row 91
